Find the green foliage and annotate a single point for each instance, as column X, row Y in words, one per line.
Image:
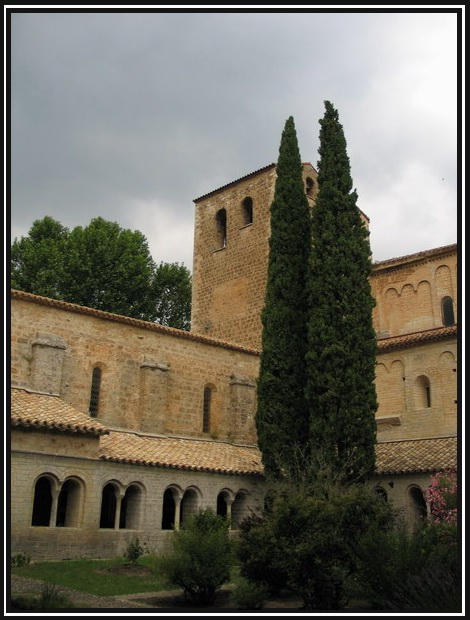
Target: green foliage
column 134, row 551
column 101, row 266
column 200, row 558
column 341, row 339
column 20, row 559
column 172, row 289
column 415, row 570
column 255, row 549
column 310, row 536
column 282, row 419
column 37, row 261
column 52, row 597
column 249, row 595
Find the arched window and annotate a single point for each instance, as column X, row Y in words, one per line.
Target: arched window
column 108, row 506
column 416, row 510
column 95, row 392
column 447, row 309
column 168, row 513
column 247, row 210
column 42, row 503
column 310, row 184
column 189, row 504
column 206, row 410
column 221, row 222
column 129, row 516
column 68, row 504
column 222, row 504
column 239, row 509
column 423, row 392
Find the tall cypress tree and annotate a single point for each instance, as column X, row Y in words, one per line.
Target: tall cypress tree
column 341, row 339
column 282, row 416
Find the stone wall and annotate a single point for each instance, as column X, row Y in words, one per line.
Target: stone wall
column 87, row 539
column 152, row 378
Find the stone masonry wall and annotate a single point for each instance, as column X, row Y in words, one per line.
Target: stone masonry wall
column 88, row 540
column 151, row 380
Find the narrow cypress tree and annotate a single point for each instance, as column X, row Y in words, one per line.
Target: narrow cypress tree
column 341, row 338
column 282, row 416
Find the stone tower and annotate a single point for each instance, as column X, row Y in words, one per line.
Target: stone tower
column 231, row 250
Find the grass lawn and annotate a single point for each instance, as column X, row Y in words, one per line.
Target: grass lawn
column 100, row 577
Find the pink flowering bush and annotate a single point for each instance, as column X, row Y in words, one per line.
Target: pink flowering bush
column 442, row 497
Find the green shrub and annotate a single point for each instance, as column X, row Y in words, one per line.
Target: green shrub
column 52, row 597
column 20, row 559
column 256, row 551
column 200, row 558
column 249, row 595
column 308, row 539
column 134, row 551
column 414, row 570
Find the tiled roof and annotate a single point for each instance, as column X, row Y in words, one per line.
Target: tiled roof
column 179, row 453
column 45, row 411
column 416, row 455
column 243, row 178
column 109, row 316
column 48, row 412
column 411, row 340
column 401, row 261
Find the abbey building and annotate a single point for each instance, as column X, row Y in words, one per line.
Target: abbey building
column 121, row 428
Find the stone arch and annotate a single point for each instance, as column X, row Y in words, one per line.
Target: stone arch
column 70, row 502
column 109, row 515
column 170, row 510
column 390, row 380
column 44, row 507
column 415, row 507
column 225, row 500
column 240, row 508
column 131, row 506
column 189, row 503
column 443, row 281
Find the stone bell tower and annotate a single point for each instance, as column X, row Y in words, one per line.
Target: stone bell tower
column 231, row 250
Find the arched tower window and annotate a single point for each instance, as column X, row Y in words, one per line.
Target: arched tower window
column 247, row 210
column 95, row 392
column 447, row 309
column 221, row 222
column 206, row 410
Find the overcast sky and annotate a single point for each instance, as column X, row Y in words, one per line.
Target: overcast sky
column 131, row 116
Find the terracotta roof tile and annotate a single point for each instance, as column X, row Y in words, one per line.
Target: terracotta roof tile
column 42, row 411
column 179, row 453
column 416, row 455
column 401, row 261
column 410, row 340
column 45, row 411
